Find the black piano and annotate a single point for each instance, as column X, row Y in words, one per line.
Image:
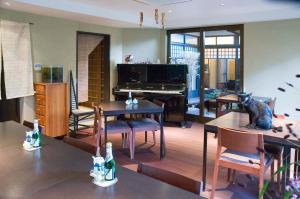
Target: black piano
column 165, row 82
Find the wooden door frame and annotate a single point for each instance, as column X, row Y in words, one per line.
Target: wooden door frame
column 240, row 27
column 106, row 40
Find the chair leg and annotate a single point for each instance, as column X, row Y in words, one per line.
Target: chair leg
column 215, row 178
column 123, row 138
column 272, row 171
column 154, row 138
column 98, row 143
column 146, row 136
column 233, row 176
column 279, row 174
column 228, row 174
column 129, row 141
column 126, row 140
column 132, row 145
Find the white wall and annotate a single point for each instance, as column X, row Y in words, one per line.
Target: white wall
column 54, row 42
column 272, row 57
column 144, row 44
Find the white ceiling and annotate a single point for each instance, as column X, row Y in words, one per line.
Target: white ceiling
column 179, row 13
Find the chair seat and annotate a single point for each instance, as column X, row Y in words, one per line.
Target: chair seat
column 144, row 124
column 243, row 158
column 82, row 111
column 118, row 126
column 274, row 150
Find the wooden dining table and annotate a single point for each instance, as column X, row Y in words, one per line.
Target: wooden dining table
column 233, row 99
column 61, row 171
column 239, row 121
column 117, row 108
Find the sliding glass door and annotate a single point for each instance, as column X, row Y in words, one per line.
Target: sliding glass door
column 214, row 59
column 184, row 49
column 221, row 67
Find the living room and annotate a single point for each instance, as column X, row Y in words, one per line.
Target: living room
column 265, row 60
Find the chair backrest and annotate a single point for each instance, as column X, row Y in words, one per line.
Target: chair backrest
column 241, row 141
column 171, row 178
column 31, row 126
column 98, row 119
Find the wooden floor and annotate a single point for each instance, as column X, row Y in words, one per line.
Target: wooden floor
column 184, row 156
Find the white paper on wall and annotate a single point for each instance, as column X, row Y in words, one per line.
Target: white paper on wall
column 17, row 59
column 0, row 59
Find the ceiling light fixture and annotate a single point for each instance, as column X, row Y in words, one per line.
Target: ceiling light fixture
column 141, row 19
column 170, row 11
column 222, row 4
column 156, row 16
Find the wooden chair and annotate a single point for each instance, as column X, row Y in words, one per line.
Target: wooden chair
column 116, row 126
column 171, row 178
column 242, row 154
column 145, row 125
column 275, row 150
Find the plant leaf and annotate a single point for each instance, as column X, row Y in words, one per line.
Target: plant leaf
column 264, row 189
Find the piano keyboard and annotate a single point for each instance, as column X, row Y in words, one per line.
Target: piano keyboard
column 152, row 91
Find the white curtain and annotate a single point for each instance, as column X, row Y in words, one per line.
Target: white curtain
column 17, row 59
column 0, row 58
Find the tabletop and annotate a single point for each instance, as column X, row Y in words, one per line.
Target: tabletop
column 237, row 120
column 234, row 98
column 120, row 107
column 60, row 171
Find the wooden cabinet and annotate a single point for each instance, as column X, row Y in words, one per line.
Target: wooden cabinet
column 51, row 107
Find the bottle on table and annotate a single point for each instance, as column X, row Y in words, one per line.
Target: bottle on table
column 36, row 136
column 109, row 165
column 130, row 96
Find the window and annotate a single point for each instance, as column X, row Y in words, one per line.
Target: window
column 210, row 41
column 225, row 40
column 182, row 44
column 191, row 40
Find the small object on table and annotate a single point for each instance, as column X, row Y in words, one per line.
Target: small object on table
column 33, row 138
column 129, row 100
column 104, row 171
column 135, row 101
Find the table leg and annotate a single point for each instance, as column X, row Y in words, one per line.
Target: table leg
column 296, row 168
column 298, row 161
column 162, row 150
column 217, row 108
column 286, row 161
column 75, row 125
column 204, row 160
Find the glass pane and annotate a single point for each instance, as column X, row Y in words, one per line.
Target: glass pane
column 191, row 40
column 210, row 41
column 221, row 69
column 177, row 38
column 227, row 40
column 185, row 50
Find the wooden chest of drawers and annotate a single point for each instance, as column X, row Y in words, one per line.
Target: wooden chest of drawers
column 51, row 107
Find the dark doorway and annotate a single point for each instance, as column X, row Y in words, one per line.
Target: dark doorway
column 9, row 109
column 93, row 68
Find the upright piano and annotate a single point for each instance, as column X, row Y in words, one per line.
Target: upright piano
column 165, row 82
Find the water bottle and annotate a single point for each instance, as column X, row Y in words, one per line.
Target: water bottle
column 36, row 134
column 109, row 165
